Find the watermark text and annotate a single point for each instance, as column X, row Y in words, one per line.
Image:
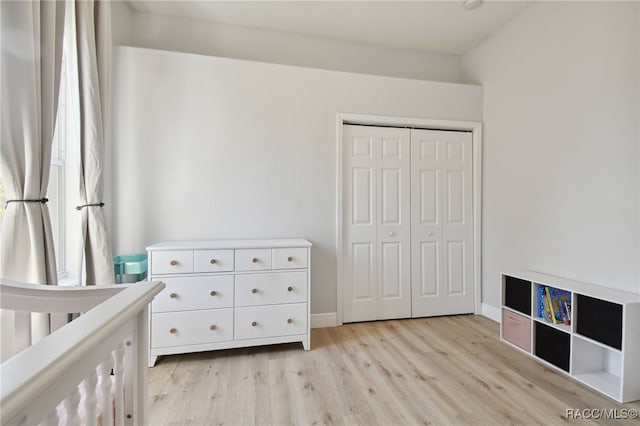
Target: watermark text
column 601, row 413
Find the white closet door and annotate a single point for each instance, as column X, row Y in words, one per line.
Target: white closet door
column 441, row 223
column 394, row 224
column 377, row 282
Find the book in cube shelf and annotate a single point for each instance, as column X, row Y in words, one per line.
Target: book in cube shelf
column 554, row 305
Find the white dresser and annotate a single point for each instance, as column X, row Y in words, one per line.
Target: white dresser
column 224, row 294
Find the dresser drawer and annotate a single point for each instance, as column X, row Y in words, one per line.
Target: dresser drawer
column 171, row 262
column 516, row 329
column 271, row 288
column 191, row 328
column 213, row 261
column 253, row 259
column 270, row 321
column 191, row 293
column 289, row 258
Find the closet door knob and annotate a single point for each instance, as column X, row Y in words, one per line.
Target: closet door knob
column 173, row 295
column 253, row 324
column 392, row 234
column 289, row 321
column 254, row 259
column 213, row 293
column 290, row 259
column 173, row 331
column 289, row 288
column 212, row 327
column 430, row 234
column 212, row 261
column 254, row 290
column 173, row 262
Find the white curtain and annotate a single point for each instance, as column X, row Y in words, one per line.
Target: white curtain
column 31, row 41
column 93, row 44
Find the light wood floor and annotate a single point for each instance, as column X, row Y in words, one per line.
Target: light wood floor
column 432, row 371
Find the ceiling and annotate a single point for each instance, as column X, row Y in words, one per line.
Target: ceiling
column 430, row 26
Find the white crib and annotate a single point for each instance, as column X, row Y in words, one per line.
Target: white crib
column 92, row 371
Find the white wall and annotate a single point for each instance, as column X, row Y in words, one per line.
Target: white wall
column 561, row 143
column 233, row 41
column 120, row 33
column 210, row 147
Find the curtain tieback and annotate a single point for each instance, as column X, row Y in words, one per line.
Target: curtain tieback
column 41, row 200
column 89, row 205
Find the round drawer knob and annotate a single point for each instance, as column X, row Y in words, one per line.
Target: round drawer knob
column 254, row 259
column 289, row 288
column 173, row 262
column 173, row 331
column 212, row 327
column 213, row 293
column 212, row 261
column 254, row 290
column 289, row 321
column 253, row 324
column 290, row 259
column 173, row 295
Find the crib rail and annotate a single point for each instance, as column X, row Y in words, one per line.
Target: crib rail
column 34, row 382
column 40, row 298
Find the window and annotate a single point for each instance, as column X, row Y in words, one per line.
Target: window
column 56, row 190
column 64, row 176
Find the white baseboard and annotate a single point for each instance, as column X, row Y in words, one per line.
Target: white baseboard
column 328, row 319
column 491, row 312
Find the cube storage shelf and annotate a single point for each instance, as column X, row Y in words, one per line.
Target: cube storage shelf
column 598, row 344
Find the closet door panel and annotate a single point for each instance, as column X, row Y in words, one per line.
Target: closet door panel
column 359, row 221
column 362, row 190
column 391, row 196
column 428, row 197
column 363, row 270
column 441, row 223
column 457, row 227
column 376, row 221
column 426, row 216
column 455, row 197
column 428, row 269
column 393, row 229
column 391, row 271
column 455, row 268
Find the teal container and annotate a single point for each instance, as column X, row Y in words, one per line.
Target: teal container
column 130, row 264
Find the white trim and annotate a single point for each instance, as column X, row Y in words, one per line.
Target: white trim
column 477, row 213
column 406, row 121
column 474, row 127
column 491, row 312
column 340, row 119
column 327, row 319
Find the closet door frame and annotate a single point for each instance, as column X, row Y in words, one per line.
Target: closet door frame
column 471, row 126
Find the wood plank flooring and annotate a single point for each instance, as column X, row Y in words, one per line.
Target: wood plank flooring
column 431, row 371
